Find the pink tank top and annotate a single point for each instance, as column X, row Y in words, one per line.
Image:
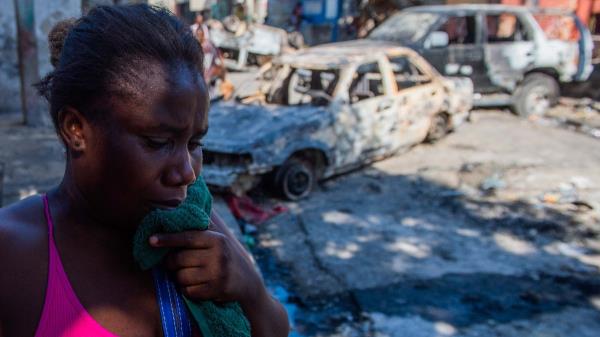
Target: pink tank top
column 63, row 315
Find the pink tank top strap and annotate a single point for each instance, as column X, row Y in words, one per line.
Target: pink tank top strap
column 63, row 315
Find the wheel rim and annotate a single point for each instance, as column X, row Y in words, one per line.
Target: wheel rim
column 537, row 101
column 298, row 183
column 439, row 129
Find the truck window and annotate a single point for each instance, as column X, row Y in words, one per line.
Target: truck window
column 404, row 27
column 558, row 27
column 406, row 73
column 366, row 83
column 505, row 27
column 460, row 29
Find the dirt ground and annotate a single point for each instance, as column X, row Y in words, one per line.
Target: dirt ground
column 492, row 231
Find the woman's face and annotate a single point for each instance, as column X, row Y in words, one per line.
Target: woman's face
column 200, row 35
column 148, row 151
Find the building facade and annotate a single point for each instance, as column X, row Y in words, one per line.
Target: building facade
column 45, row 15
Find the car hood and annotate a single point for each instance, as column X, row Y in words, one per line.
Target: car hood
column 235, row 127
column 363, row 44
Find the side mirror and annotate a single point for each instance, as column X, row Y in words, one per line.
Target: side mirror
column 438, row 40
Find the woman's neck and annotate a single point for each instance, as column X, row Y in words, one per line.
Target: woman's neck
column 81, row 222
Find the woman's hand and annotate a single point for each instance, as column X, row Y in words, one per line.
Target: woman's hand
column 213, row 265
column 209, row 265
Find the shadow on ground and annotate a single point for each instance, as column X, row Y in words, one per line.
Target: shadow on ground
column 405, row 245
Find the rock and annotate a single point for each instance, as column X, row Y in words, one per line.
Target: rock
column 492, row 183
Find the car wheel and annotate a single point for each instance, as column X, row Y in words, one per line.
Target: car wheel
column 535, row 95
column 438, row 129
column 295, row 179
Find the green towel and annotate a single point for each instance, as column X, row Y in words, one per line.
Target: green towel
column 214, row 320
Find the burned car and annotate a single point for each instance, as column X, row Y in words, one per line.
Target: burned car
column 515, row 56
column 327, row 110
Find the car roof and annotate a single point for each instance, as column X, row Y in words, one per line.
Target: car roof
column 468, row 7
column 341, row 54
column 445, row 9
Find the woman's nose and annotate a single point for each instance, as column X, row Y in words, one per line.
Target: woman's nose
column 182, row 172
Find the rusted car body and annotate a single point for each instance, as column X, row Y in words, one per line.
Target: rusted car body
column 327, row 110
column 509, row 52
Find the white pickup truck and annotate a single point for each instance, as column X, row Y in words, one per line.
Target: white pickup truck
column 515, row 56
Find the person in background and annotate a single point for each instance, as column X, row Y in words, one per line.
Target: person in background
column 214, row 68
column 200, row 24
column 296, row 17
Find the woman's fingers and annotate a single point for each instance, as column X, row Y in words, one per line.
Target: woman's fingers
column 200, row 262
column 188, row 239
column 188, row 258
column 202, row 292
column 194, row 276
column 209, row 265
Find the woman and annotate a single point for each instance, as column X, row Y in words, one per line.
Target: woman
column 128, row 101
column 215, row 73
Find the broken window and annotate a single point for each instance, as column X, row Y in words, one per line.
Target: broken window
column 505, row 27
column 308, row 86
column 404, row 27
column 558, row 27
column 460, row 29
column 406, row 73
column 367, row 83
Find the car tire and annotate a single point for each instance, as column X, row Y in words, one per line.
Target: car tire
column 535, row 95
column 295, row 179
column 438, row 129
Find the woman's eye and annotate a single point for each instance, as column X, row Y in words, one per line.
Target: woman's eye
column 156, row 143
column 193, row 145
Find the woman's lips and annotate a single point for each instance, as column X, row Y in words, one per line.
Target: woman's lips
column 166, row 204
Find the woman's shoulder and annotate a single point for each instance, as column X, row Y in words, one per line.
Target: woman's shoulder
column 23, row 262
column 22, row 222
column 23, row 238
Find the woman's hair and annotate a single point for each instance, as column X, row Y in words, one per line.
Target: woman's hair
column 108, row 51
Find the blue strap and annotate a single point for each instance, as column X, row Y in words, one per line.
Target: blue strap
column 173, row 312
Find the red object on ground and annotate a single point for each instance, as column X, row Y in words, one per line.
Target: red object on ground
column 246, row 209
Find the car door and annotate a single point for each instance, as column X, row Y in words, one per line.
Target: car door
column 358, row 140
column 509, row 48
column 463, row 56
column 419, row 96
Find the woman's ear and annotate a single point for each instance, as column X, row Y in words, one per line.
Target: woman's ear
column 72, row 126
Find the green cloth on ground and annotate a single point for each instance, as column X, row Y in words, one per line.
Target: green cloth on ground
column 214, row 320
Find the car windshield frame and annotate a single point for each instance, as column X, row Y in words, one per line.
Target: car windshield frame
column 405, row 27
column 284, row 73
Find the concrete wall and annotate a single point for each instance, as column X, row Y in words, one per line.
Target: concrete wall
column 9, row 67
column 47, row 14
